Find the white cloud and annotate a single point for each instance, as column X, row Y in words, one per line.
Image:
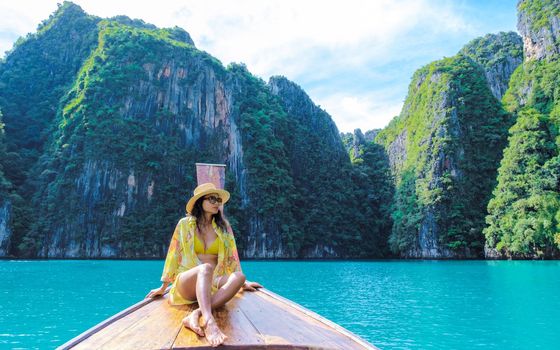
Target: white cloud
column 367, row 111
column 266, row 34
column 284, row 36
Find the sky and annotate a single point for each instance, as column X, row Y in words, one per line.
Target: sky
column 354, row 58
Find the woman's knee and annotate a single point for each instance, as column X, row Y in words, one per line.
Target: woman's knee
column 205, row 269
column 239, row 277
column 185, row 281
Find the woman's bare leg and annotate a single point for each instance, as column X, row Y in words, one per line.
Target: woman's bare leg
column 203, row 288
column 186, row 286
column 228, row 288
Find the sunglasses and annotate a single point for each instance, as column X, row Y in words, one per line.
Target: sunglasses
column 214, row 199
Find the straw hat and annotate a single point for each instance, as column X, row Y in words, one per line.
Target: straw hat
column 203, row 190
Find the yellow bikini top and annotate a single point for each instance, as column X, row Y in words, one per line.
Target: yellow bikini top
column 199, row 246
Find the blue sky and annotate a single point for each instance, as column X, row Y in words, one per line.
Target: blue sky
column 355, row 58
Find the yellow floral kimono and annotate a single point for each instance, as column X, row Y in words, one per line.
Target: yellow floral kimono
column 181, row 256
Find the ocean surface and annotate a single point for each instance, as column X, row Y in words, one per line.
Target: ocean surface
column 392, row 304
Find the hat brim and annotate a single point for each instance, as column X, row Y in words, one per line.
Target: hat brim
column 224, row 195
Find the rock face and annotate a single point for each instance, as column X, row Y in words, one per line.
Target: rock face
column 539, row 25
column 438, row 149
column 5, row 230
column 182, row 97
column 499, row 55
column 370, row 135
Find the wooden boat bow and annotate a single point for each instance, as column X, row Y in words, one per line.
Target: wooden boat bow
column 251, row 320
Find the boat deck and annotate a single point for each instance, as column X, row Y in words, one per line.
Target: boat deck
column 251, row 320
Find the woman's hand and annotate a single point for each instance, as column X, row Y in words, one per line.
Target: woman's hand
column 154, row 293
column 251, row 286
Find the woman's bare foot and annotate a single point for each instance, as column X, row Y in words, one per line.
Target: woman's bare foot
column 213, row 334
column 191, row 322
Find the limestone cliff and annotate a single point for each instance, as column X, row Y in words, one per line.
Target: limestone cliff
column 124, row 154
column 139, row 106
column 371, row 172
column 443, row 149
column 317, row 159
column 522, row 216
column 301, row 108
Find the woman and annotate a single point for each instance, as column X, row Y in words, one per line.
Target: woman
column 202, row 263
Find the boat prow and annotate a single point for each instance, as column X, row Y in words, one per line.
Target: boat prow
column 251, row 320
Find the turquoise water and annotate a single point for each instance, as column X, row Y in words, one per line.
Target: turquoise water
column 392, row 304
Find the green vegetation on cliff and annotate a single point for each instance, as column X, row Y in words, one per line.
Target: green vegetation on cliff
column 50, row 60
column 493, row 48
column 524, row 214
column 371, row 175
column 372, row 188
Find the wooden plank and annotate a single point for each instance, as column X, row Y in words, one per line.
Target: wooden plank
column 157, row 330
column 102, row 336
column 279, row 326
column 187, row 338
column 93, row 330
column 343, row 332
column 284, row 322
column 231, row 320
column 156, row 327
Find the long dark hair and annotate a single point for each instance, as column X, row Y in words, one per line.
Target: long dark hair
column 198, row 212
